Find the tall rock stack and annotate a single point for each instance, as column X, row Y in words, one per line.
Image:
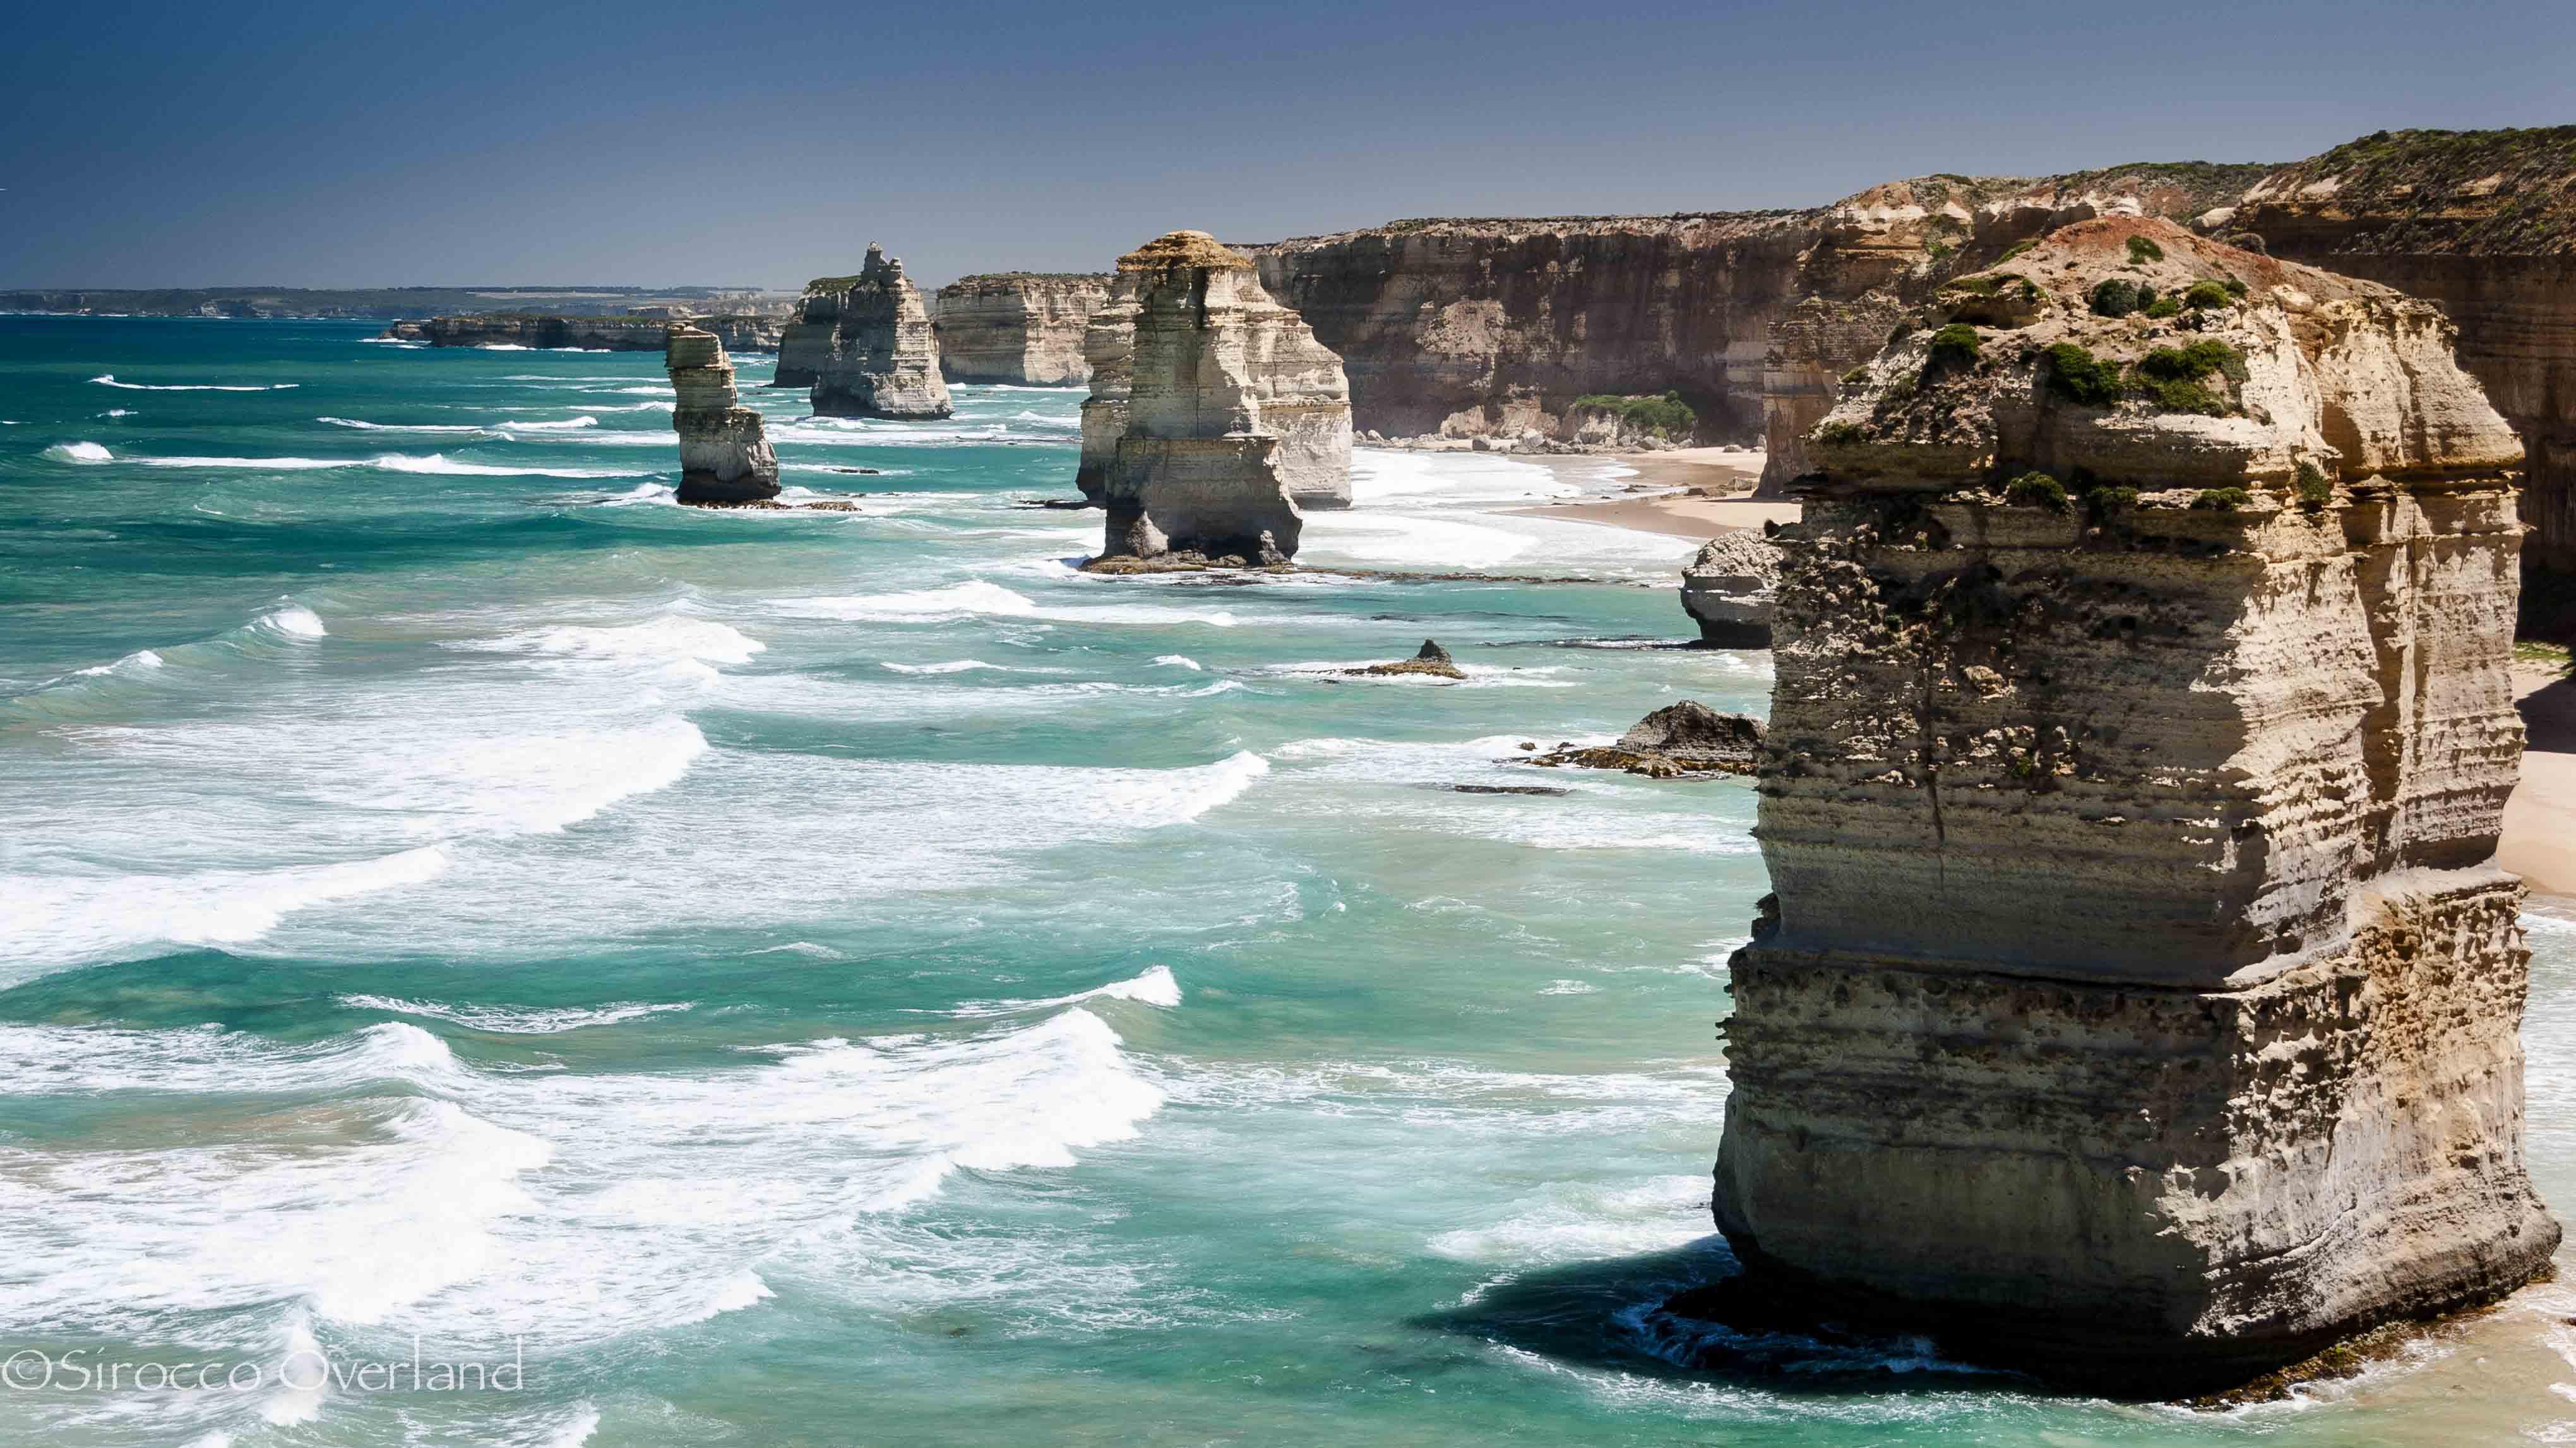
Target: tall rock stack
column 1231, row 412
column 1017, row 327
column 2139, row 1001
column 884, row 361
column 724, row 455
column 1109, row 350
column 805, row 343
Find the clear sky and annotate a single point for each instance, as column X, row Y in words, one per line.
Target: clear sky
column 338, row 144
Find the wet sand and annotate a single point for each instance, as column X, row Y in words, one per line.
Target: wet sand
column 1695, row 492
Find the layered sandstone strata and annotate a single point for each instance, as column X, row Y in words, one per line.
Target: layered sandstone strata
column 1017, row 327
column 1729, row 588
column 724, row 455
column 609, row 334
column 1109, row 350
column 2484, row 223
column 1234, row 415
column 884, row 360
column 2139, row 1000
column 1227, row 418
column 805, row 342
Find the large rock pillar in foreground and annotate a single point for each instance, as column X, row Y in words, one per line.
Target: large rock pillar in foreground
column 884, row 360
column 2140, row 1000
column 724, row 454
column 1230, row 411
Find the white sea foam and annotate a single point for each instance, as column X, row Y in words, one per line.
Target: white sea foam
column 294, row 620
column 515, row 1020
column 141, row 661
column 672, row 636
column 1569, row 1222
column 570, row 424
column 419, row 427
column 90, row 452
column 58, row 919
column 118, row 412
column 1155, row 987
column 79, row 452
column 109, row 380
column 953, row 666
column 980, row 597
column 1177, row 661
column 435, row 463
column 506, row 347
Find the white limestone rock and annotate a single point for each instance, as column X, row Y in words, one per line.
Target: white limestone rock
column 884, row 360
column 724, row 454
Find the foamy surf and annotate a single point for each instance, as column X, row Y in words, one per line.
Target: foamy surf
column 515, row 1021
column 49, row 921
column 79, row 452
column 1154, row 987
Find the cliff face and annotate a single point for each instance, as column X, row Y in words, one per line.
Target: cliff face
column 1109, row 350
column 613, row 334
column 1228, row 420
column 2483, row 222
column 884, row 361
column 1018, row 327
column 805, row 342
column 1478, row 327
column 724, row 454
column 2139, row 1001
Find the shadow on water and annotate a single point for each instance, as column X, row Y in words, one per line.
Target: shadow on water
column 1614, row 1315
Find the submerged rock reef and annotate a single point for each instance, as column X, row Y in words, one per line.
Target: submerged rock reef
column 724, row 453
column 1233, row 417
column 2139, row 999
column 882, row 360
column 1025, row 328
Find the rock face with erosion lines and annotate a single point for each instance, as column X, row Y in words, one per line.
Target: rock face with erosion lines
column 1016, row 327
column 724, row 455
column 2139, row 1003
column 1233, row 416
column 883, row 360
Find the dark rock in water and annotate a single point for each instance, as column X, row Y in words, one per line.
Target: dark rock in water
column 1509, row 789
column 1688, row 740
column 1183, row 561
column 1431, row 659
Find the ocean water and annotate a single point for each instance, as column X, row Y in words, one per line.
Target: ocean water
column 837, row 978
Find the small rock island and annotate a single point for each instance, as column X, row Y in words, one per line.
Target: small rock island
column 724, row 452
column 2139, row 1000
column 880, row 358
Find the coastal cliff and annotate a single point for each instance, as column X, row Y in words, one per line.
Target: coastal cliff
column 1017, row 327
column 2139, row 999
column 1109, row 351
column 1225, row 427
column 805, row 342
column 2483, row 222
column 884, row 360
column 610, row 334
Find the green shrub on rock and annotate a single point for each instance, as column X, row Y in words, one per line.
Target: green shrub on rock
column 2113, row 297
column 2163, row 307
column 2143, row 249
column 1841, row 434
column 2112, row 497
column 2082, row 378
column 1954, row 346
column 1665, row 415
column 2204, row 295
column 2221, row 500
column 2314, row 489
column 2036, row 490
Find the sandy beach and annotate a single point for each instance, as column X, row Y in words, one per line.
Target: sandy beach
column 2539, row 841
column 1696, row 492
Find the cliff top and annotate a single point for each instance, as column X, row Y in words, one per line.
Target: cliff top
column 1184, row 249
column 994, row 281
column 2502, row 193
column 1722, row 222
column 2130, row 349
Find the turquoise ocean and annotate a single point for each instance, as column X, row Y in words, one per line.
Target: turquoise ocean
column 786, row 978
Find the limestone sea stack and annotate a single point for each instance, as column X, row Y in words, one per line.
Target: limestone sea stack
column 1109, row 351
column 2139, row 1000
column 1728, row 590
column 1231, row 412
column 805, row 343
column 724, row 456
column 1025, row 328
column 883, row 361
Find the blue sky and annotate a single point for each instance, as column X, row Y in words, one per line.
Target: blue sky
column 315, row 144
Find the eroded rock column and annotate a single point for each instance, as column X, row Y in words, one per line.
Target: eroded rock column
column 884, row 361
column 2139, row 1000
column 724, row 454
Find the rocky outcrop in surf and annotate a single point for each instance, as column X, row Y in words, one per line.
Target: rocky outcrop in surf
column 883, row 361
column 2139, row 1000
column 1025, row 328
column 1231, row 415
column 1688, row 740
column 1729, row 588
column 724, row 453
column 1109, row 350
column 595, row 334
